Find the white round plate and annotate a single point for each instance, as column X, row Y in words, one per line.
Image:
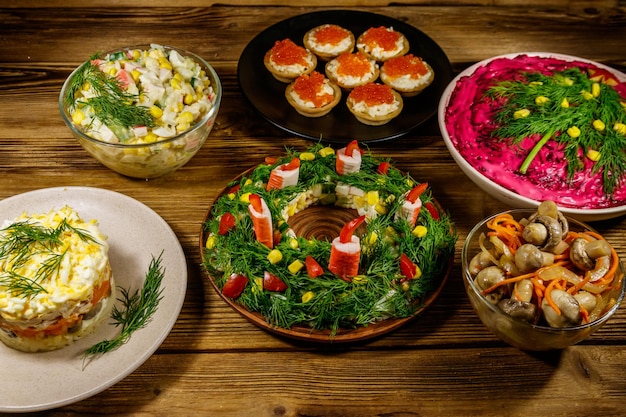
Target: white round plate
column 40, row 381
column 499, row 192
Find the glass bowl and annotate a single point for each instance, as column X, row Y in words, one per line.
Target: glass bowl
column 520, row 333
column 150, row 156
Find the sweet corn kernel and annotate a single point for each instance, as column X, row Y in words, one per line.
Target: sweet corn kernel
column 150, row 138
column 420, row 231
column 86, row 86
column 620, row 128
column 156, row 111
column 372, row 197
column 181, row 127
column 541, row 100
column 373, row 238
column 78, row 116
column 164, row 63
column 406, row 285
column 113, row 72
column 586, row 95
column 275, row 256
column 307, row 296
column 176, row 84
column 258, row 285
column 178, row 76
column 593, row 155
column 565, row 103
column 136, row 54
column 135, row 74
column 324, row 152
column 599, row 125
column 189, row 98
column 231, row 196
column 521, row 113
column 210, row 242
column 573, row 132
column 245, row 198
column 595, row 89
column 295, row 266
column 307, row 156
column 293, row 243
column 359, row 279
column 535, row 83
column 380, row 208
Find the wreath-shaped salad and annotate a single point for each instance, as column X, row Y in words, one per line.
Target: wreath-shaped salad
column 388, row 256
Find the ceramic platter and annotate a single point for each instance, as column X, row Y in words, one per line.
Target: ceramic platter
column 267, row 95
column 318, row 222
column 39, row 381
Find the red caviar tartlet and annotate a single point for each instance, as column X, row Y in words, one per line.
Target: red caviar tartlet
column 374, row 104
column 328, row 41
column 313, row 95
column 407, row 74
column 287, row 61
column 382, row 43
column 349, row 70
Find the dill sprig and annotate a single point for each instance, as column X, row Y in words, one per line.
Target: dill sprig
column 112, row 104
column 137, row 309
column 571, row 109
column 22, row 240
column 336, row 303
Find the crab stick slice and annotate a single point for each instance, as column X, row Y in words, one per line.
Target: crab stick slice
column 284, row 175
column 412, row 204
column 261, row 220
column 348, row 159
column 345, row 251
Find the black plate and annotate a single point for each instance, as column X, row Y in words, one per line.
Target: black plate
column 267, row 95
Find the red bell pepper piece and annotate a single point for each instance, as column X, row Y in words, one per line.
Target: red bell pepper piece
column 432, row 210
column 383, row 168
column 407, row 267
column 234, row 285
column 313, row 268
column 414, row 194
column 227, row 222
column 348, row 229
column 272, row 283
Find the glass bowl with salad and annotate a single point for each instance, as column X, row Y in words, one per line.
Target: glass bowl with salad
column 540, row 280
column 142, row 111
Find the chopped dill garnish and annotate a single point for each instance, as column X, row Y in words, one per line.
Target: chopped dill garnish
column 568, row 107
column 22, row 240
column 137, row 309
column 376, row 294
column 114, row 106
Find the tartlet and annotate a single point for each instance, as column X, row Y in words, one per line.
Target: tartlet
column 313, row 95
column 349, row 70
column 382, row 43
column 408, row 74
column 374, row 104
column 328, row 41
column 287, row 61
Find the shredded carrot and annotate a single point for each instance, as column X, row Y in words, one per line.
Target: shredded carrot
column 508, row 281
column 548, row 295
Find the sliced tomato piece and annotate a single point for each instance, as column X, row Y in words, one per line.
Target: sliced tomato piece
column 227, row 222
column 272, row 283
column 432, row 210
column 407, row 267
column 383, row 168
column 234, row 285
column 313, row 268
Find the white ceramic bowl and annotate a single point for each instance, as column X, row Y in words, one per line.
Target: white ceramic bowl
column 154, row 159
column 506, row 195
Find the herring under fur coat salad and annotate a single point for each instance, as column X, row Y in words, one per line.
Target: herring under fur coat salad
column 392, row 253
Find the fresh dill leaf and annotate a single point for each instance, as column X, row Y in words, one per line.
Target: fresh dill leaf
column 137, row 309
column 112, row 105
column 20, row 241
column 555, row 103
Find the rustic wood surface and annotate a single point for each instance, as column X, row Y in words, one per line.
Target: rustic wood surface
column 215, row 363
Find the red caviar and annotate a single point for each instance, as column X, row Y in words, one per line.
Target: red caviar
column 330, row 35
column 286, row 52
column 407, row 64
column 386, row 38
column 372, row 94
column 357, row 64
column 308, row 88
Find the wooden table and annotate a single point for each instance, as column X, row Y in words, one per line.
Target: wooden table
column 215, row 363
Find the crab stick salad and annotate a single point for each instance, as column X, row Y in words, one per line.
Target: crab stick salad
column 55, row 280
column 381, row 264
column 137, row 97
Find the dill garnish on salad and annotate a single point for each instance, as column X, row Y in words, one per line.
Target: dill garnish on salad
column 387, row 259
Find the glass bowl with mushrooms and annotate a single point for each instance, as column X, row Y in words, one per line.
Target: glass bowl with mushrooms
column 540, row 280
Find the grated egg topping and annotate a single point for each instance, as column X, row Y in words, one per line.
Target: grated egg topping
column 68, row 287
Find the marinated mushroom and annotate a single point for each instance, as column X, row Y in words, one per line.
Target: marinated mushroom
column 569, row 309
column 584, row 253
column 534, row 232
column 487, row 278
column 528, row 257
column 522, row 310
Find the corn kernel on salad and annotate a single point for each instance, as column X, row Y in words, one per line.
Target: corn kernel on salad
column 138, row 97
column 392, row 251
